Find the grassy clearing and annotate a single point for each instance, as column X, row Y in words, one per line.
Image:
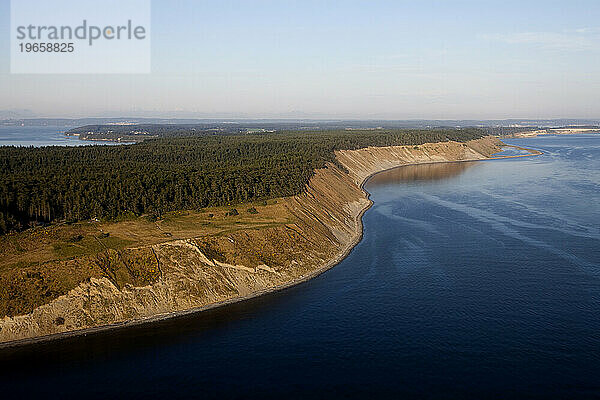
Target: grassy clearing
column 88, row 245
column 66, row 241
column 42, row 263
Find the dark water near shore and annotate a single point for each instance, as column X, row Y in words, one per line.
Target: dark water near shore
column 473, row 280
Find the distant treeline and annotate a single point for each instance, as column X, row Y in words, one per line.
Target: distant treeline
column 503, row 131
column 143, row 131
column 41, row 185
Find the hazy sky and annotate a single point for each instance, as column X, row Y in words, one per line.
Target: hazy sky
column 341, row 59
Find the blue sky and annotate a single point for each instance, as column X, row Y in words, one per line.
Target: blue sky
column 341, row 59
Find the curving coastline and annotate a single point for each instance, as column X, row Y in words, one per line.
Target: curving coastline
column 329, row 211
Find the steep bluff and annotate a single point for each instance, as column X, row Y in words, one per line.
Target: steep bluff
column 206, row 271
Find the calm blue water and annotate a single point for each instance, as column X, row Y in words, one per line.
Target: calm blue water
column 474, row 280
column 40, row 136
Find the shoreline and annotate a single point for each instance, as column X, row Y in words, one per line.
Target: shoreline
column 357, row 238
column 553, row 132
column 161, row 317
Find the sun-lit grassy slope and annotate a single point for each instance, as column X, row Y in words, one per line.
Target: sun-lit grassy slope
column 45, row 262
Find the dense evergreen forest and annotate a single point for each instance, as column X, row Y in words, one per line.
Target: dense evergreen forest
column 42, row 185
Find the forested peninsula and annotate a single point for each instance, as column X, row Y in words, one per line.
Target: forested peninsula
column 103, row 236
column 48, row 184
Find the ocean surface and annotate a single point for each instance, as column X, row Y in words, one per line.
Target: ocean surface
column 474, row 280
column 38, row 136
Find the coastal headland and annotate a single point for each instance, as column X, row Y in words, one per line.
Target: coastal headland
column 194, row 261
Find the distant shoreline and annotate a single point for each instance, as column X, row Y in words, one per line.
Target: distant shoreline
column 555, row 131
column 532, row 152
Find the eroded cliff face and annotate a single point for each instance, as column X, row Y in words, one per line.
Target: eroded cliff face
column 205, row 271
